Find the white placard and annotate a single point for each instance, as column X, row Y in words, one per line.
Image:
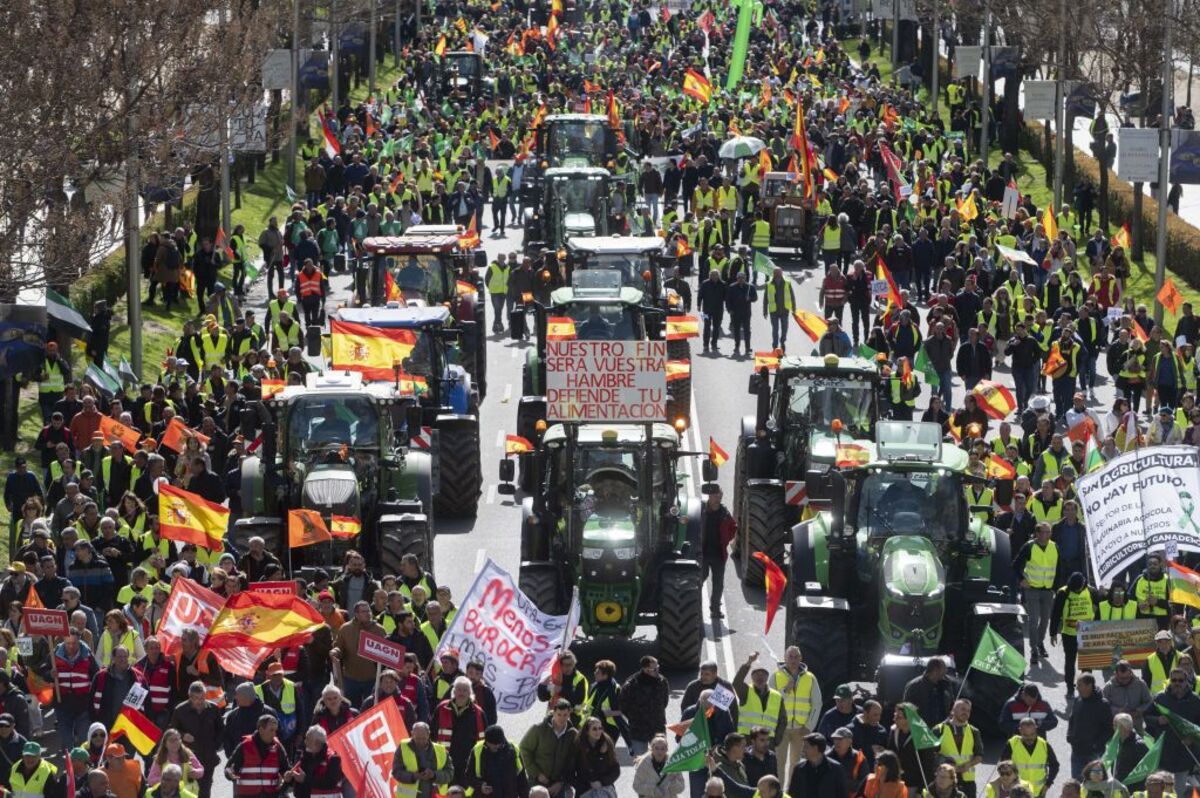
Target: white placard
column 500, row 627
column 1137, row 154
column 1039, row 98
column 136, row 697
column 1139, row 503
column 1015, row 255
column 248, row 128
column 1114, row 314
column 25, row 646
column 1012, row 199
column 616, row 381
column 879, row 287
column 967, row 60
column 277, row 70
column 722, row 697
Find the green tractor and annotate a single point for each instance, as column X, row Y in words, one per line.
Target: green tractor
column 613, row 515
column 571, row 140
column 900, row 569
column 333, row 445
column 574, row 201
column 792, row 433
column 596, row 307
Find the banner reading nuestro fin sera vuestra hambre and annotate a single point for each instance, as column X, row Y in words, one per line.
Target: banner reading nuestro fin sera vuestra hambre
column 1143, row 501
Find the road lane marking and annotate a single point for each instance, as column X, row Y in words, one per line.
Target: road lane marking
column 499, row 439
column 507, row 394
column 480, row 559
column 491, row 494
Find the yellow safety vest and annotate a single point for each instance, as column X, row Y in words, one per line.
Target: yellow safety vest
column 984, row 498
column 497, row 283
column 1126, row 612
column 35, row 785
column 753, row 713
column 431, row 635
column 1143, row 589
column 1031, row 767
column 409, row 758
column 831, row 240
column 1042, row 566
column 1049, row 513
column 285, row 339
column 1159, row 676
column 1078, row 607
column 214, row 351
column 951, row 751
column 287, row 699
column 55, row 381
column 128, row 640
column 789, row 299
column 760, row 238
column 728, row 197
column 797, row 702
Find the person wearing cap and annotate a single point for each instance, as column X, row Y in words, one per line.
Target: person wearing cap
column 1165, row 430
column 286, row 698
column 259, row 762
column 421, row 767
column 11, row 743
column 495, row 764
column 124, row 773
column 1032, row 756
column 759, row 704
column 357, row 672
column 1158, row 666
column 52, row 379
column 841, row 713
column 801, row 694
column 853, row 761
column 962, row 744
column 1151, row 591
column 80, row 762
column 223, row 307
column 33, row 776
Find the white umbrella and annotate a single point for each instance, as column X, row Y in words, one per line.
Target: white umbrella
column 741, row 147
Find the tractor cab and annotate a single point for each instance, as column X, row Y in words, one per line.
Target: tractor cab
column 791, row 215
column 576, row 140
column 575, row 201
column 461, row 75
column 640, row 260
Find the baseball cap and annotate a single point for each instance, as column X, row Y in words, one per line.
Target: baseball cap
column 1163, row 635
column 758, row 666
column 81, row 754
column 274, row 668
column 843, row 691
column 842, row 733
column 32, row 749
column 323, row 595
column 7, row 720
column 115, row 750
column 17, row 567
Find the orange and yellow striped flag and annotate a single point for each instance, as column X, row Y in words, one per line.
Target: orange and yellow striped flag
column 515, row 444
column 999, row 468
column 766, row 360
column 141, row 732
column 851, row 455
column 344, row 527
column 678, row 369
column 994, row 399
column 189, row 518
column 1123, row 238
column 681, row 327
column 715, row 453
column 372, row 351
column 176, row 434
column 1049, row 223
column 272, row 387
column 697, row 86
column 813, row 325
column 306, row 528
column 439, row 49
column 262, row 620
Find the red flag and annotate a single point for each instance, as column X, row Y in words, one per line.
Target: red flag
column 70, row 768
column 614, row 111
column 366, row 746
column 776, row 584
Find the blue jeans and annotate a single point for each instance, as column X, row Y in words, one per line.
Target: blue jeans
column 1087, row 370
column 779, row 329
column 1025, row 381
column 72, row 727
column 946, row 388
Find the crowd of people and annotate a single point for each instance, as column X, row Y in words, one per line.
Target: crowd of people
column 891, row 192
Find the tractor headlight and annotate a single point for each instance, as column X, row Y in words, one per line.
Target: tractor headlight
column 592, row 553
column 625, row 553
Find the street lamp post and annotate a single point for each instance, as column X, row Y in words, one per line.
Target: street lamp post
column 1164, row 160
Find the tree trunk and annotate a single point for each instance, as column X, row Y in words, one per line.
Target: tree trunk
column 1010, row 129
column 1135, row 228
column 1103, row 190
column 208, row 201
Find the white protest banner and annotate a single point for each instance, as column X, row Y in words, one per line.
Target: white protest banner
column 190, row 606
column 1137, row 154
column 879, row 287
column 1015, row 255
column 1012, row 199
column 136, row 697
column 966, row 61
column 1113, row 314
column 722, row 697
column 1039, row 98
column 622, row 381
column 366, row 746
column 1138, row 503
column 500, row 627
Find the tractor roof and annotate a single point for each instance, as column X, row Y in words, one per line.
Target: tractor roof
column 592, row 434
column 576, row 171
column 616, row 245
column 914, row 446
column 334, row 383
column 569, row 296
column 597, row 118
column 412, row 244
column 433, row 230
column 828, row 364
column 387, row 317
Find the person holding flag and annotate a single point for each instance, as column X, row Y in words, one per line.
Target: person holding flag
column 913, row 742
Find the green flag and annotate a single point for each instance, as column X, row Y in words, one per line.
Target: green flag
column 693, row 747
column 1181, row 726
column 291, row 195
column 923, row 365
column 103, row 382
column 1112, row 750
column 1148, row 765
column 741, row 44
column 922, row 737
column 866, row 352
column 996, row 656
column 63, row 315
column 763, row 264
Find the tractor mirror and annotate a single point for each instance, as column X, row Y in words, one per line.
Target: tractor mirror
column 755, row 383
column 516, row 322
column 413, row 418
column 506, row 489
column 709, row 488
column 508, row 470
column 708, row 470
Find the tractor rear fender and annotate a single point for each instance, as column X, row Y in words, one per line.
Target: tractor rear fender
column 254, row 501
column 530, row 410
column 748, row 429
column 450, row 421
column 810, row 557
column 416, row 479
column 996, row 610
column 760, row 459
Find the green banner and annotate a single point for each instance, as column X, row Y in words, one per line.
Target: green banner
column 741, row 44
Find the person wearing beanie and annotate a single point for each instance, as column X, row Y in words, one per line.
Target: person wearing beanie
column 494, row 763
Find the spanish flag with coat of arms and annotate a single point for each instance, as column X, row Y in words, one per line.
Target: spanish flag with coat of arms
column 262, row 620
column 372, row 351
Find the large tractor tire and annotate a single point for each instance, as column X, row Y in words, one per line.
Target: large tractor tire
column 405, row 537
column 680, row 349
column 987, row 692
column 766, row 530
column 540, row 582
column 680, row 618
column 824, row 639
column 269, row 529
column 739, row 479
column 460, row 474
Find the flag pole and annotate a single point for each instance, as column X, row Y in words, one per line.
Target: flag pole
column 962, row 685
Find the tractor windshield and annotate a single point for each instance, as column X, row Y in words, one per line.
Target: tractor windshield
column 607, row 478
column 923, row 503
column 630, row 265
column 463, row 65
column 316, row 422
column 423, row 276
column 578, row 194
column 817, row 401
column 604, row 321
column 779, row 187
column 577, row 143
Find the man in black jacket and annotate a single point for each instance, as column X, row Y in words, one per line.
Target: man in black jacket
column 817, row 776
column 200, row 723
column 1089, row 728
column 206, row 484
column 496, row 764
column 711, row 301
column 643, row 701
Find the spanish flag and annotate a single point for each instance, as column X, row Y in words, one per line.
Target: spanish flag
column 967, row 209
column 999, row 468
column 994, row 399
column 766, row 360
column 775, row 581
column 463, row 288
column 614, row 111
column 799, row 142
column 141, row 732
column 410, row 383
column 764, row 162
column 538, row 116
column 176, row 434
column 682, row 327
column 515, row 444
column 682, row 248
column 1123, row 238
column 697, row 86
column 560, row 328
column 114, row 430
column 552, row 32
column 1049, row 223
column 305, row 528
column 189, row 518
column 344, row 527
column 813, row 325
column 262, row 620
column 469, row 239
column 272, row 387
column 1054, row 362
column 851, row 455
column 439, row 49
column 372, row 351
column 678, row 369
column 718, row 455
column 391, row 291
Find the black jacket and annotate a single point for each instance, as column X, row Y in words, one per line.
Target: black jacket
column 499, row 770
column 644, row 702
column 1090, row 726
column 824, row 780
column 710, row 299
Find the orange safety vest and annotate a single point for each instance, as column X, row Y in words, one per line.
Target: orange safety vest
column 310, row 284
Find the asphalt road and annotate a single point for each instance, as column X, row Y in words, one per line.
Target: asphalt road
column 719, row 401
